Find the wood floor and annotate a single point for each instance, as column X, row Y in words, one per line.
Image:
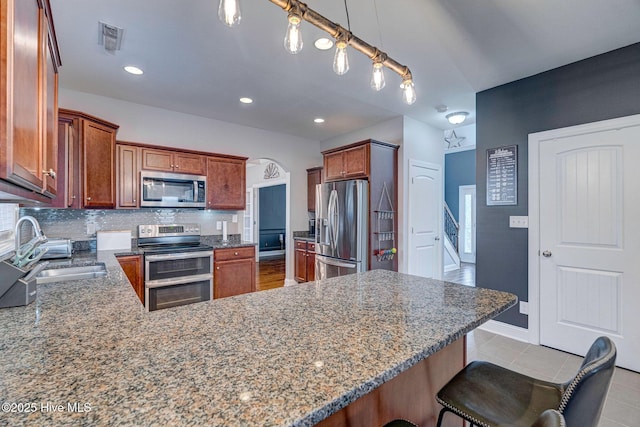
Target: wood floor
column 270, row 273
column 465, row 275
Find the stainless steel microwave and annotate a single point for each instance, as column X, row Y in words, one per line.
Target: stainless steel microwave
column 172, row 190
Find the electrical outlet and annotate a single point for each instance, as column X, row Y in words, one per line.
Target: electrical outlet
column 519, row 222
column 234, row 219
column 524, row 307
column 91, row 228
column 218, row 225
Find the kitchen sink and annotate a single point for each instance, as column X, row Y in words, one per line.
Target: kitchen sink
column 71, row 273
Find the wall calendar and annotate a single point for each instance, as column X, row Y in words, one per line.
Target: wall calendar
column 502, row 176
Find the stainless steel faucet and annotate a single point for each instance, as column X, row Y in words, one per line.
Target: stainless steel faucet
column 24, row 250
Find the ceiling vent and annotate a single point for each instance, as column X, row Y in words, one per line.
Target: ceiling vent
column 110, row 37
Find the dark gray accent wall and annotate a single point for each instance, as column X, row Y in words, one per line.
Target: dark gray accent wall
column 599, row 88
column 459, row 169
column 273, row 207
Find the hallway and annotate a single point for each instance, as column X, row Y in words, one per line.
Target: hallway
column 465, row 275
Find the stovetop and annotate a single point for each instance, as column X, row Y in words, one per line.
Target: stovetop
column 163, row 249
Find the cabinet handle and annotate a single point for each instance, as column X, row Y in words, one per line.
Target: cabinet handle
column 134, row 200
column 88, row 199
column 73, row 197
column 217, row 268
column 235, row 253
column 177, row 167
column 50, row 173
column 173, row 166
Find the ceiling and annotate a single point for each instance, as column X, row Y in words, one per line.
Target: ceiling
column 195, row 64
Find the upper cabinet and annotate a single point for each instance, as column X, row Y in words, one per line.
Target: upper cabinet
column 88, row 145
column 226, row 182
column 127, row 176
column 346, row 163
column 29, row 59
column 173, row 161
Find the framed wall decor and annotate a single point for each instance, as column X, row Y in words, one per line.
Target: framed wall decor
column 502, row 176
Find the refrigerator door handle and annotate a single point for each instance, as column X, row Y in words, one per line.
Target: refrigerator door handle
column 336, row 229
column 336, row 263
column 332, row 219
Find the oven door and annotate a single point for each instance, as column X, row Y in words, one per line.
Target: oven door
column 177, row 279
column 166, row 296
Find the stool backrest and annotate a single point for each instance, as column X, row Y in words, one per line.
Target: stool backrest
column 584, row 396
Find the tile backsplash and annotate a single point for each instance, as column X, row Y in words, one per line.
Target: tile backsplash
column 82, row 224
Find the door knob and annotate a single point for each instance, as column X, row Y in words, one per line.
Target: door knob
column 546, row 254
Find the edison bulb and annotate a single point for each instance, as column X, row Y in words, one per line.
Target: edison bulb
column 229, row 12
column 293, row 37
column 377, row 76
column 340, row 60
column 408, row 92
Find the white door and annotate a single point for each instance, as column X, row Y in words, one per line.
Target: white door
column 425, row 220
column 467, row 223
column 590, row 241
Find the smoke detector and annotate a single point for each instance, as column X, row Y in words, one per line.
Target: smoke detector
column 110, row 37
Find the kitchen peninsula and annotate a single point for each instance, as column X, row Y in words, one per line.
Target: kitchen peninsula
column 288, row 356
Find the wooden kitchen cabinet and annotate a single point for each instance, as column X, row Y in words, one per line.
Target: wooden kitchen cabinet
column 376, row 162
column 305, row 261
column 172, row 161
column 29, row 59
column 127, row 176
column 90, row 145
column 132, row 267
column 346, row 163
column 234, row 271
column 314, row 177
column 226, row 183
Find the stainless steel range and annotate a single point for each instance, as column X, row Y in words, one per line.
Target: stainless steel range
column 178, row 269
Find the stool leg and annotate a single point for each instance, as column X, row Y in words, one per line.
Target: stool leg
column 442, row 411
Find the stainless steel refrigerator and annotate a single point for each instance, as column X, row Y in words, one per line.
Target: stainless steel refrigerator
column 342, row 209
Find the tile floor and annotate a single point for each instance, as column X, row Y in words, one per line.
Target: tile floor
column 622, row 407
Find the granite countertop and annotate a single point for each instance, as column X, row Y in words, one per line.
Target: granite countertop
column 304, row 235
column 288, row 356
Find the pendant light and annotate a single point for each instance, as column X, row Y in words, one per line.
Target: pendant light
column 408, row 91
column 229, row 12
column 293, row 36
column 340, row 59
column 377, row 72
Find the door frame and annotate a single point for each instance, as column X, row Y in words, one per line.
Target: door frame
column 462, row 188
column 534, row 204
column 440, row 203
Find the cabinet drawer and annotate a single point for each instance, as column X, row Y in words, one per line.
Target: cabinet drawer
column 311, row 247
column 301, row 244
column 233, row 253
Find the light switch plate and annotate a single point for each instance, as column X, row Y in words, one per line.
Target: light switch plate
column 218, row 225
column 519, row 222
column 234, row 218
column 524, row 307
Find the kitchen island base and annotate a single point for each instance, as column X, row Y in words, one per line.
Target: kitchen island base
column 410, row 395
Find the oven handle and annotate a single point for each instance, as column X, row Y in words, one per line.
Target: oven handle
column 177, row 281
column 185, row 255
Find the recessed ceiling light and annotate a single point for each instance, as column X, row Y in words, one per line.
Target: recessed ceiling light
column 318, row 120
column 323, row 43
column 246, row 100
column 133, row 70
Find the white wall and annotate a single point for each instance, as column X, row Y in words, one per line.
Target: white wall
column 150, row 125
column 387, row 131
column 467, row 132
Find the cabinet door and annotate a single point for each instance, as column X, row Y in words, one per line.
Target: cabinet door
column 98, row 165
column 314, row 177
column 333, row 166
column 311, row 266
column 300, row 265
column 50, row 164
column 157, row 160
column 234, row 278
column 20, row 96
column 356, row 162
column 132, row 267
column 189, row 163
column 128, row 171
column 226, row 181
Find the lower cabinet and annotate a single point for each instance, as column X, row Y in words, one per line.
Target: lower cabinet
column 305, row 261
column 234, row 271
column 132, row 267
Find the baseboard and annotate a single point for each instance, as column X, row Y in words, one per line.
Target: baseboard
column 507, row 330
column 289, row 282
column 269, row 254
column 451, row 267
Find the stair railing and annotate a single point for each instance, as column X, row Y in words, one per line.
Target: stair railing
column 451, row 227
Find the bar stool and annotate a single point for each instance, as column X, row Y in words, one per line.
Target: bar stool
column 549, row 418
column 488, row 395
